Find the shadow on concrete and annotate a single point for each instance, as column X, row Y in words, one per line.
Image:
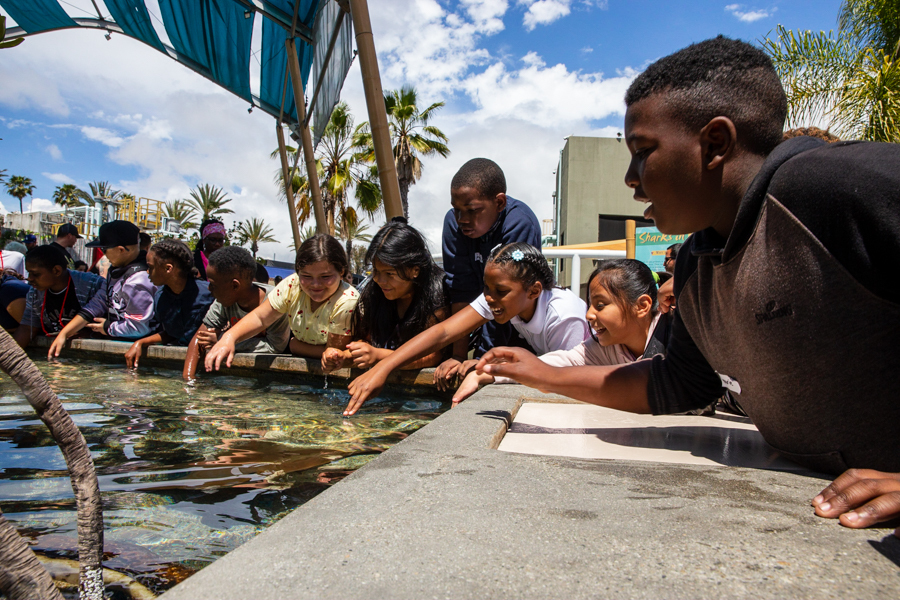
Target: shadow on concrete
column 722, row 445
column 889, row 546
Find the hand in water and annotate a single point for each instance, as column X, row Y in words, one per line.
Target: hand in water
column 59, row 342
column 861, row 498
column 133, row 355
column 363, row 388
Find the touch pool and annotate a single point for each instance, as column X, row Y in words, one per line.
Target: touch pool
column 187, row 474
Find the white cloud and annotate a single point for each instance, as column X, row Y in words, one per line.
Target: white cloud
column 587, row 50
column 58, row 177
column 102, row 135
column 748, row 16
column 544, row 12
column 486, row 14
column 40, row 204
column 54, row 152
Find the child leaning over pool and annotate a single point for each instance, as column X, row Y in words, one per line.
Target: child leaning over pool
column 180, row 302
column 518, row 289
column 316, row 299
column 230, row 273
column 406, row 296
column 126, row 310
column 625, row 322
column 56, row 295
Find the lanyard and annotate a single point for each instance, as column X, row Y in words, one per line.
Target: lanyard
column 62, row 308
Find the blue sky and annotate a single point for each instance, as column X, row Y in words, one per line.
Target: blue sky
column 518, row 76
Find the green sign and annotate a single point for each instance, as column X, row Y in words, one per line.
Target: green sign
column 650, row 246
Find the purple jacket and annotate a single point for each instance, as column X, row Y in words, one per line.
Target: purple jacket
column 127, row 305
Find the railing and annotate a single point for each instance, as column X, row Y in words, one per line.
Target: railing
column 576, row 256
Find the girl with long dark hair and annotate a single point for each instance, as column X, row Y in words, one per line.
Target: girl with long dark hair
column 406, row 296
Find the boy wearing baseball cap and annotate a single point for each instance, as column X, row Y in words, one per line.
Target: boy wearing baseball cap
column 126, row 311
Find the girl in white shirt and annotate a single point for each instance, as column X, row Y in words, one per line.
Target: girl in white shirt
column 518, row 289
column 625, row 323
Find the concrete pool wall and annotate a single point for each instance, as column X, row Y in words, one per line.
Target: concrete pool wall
column 445, row 514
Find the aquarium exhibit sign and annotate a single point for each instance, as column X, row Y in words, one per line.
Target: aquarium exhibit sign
column 650, row 246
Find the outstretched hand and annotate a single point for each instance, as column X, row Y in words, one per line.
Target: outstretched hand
column 861, row 498
column 516, row 363
column 363, row 388
column 223, row 350
column 445, row 372
column 59, row 342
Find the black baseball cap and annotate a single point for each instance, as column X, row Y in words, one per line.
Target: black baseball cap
column 117, row 233
column 66, row 229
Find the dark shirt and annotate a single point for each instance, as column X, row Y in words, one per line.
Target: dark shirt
column 11, row 289
column 59, row 308
column 799, row 306
column 65, row 252
column 180, row 315
column 464, row 257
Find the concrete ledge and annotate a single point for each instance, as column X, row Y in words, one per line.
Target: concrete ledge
column 243, row 364
column 444, row 515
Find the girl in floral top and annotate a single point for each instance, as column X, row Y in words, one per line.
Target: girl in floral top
column 318, row 302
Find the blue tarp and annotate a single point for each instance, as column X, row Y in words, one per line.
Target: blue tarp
column 214, row 34
column 213, row 38
column 38, row 15
column 133, row 18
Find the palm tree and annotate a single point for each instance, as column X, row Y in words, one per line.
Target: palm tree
column 411, row 137
column 351, row 232
column 849, row 80
column 102, row 189
column 70, row 196
column 208, row 201
column 342, row 166
column 19, row 187
column 254, row 231
column 181, row 211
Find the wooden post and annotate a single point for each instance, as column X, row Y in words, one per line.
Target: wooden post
column 288, row 188
column 309, row 156
column 629, row 238
column 381, row 134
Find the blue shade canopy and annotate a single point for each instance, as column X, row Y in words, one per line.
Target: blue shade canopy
column 213, row 38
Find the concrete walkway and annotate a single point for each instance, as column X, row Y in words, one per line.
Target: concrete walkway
column 444, row 514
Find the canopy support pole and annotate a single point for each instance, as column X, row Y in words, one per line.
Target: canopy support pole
column 630, row 227
column 381, row 134
column 312, row 174
column 288, row 187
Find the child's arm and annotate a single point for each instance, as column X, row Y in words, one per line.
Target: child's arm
column 623, row 387
column 189, row 372
column 134, row 353
column 450, row 367
column 24, row 333
column 364, row 355
column 470, row 385
column 252, row 323
column 72, row 327
column 434, row 338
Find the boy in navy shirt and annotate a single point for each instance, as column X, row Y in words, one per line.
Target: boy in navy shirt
column 482, row 217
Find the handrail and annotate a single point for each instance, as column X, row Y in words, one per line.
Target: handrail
column 574, row 255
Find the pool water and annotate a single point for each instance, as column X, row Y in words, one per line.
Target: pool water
column 186, row 473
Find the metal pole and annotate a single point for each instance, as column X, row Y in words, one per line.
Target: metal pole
column 288, row 188
column 575, row 285
column 312, row 175
column 629, row 238
column 381, row 135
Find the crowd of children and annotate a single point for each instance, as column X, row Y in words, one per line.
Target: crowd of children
column 707, row 157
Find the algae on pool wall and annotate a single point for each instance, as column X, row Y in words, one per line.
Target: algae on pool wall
column 186, row 473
